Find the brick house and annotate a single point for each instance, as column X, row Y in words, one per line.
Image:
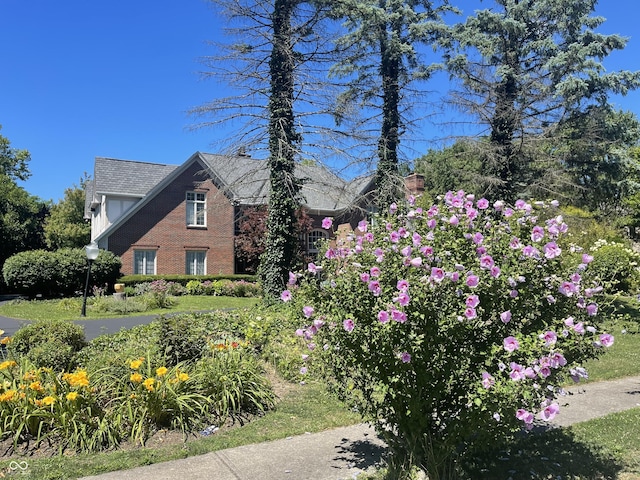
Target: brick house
column 182, row 219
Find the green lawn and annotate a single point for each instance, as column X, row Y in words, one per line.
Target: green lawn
column 70, row 308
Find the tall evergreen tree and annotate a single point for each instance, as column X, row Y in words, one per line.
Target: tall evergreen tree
column 379, row 60
column 524, row 66
column 270, row 69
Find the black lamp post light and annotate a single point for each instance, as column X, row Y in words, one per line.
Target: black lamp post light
column 92, row 252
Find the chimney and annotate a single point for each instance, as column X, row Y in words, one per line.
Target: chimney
column 414, row 184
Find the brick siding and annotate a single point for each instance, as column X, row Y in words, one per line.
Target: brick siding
column 161, row 225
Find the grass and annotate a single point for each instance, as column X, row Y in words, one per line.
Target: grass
column 69, row 308
column 291, row 417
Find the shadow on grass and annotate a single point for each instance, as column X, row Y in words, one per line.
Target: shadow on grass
column 553, row 453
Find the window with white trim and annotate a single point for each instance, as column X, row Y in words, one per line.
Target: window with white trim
column 196, row 262
column 196, row 209
column 314, row 238
column 144, row 262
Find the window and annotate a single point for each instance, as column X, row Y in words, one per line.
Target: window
column 313, row 241
column 196, row 262
column 196, row 208
column 144, row 262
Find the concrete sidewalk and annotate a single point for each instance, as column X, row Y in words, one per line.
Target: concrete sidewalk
column 342, row 453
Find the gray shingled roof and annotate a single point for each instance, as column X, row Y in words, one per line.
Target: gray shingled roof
column 246, row 181
column 126, row 177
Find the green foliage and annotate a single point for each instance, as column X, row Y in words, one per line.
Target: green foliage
column 65, row 227
column 49, row 343
column 234, row 381
column 132, row 280
column 58, row 273
column 616, row 266
column 523, row 70
column 451, row 328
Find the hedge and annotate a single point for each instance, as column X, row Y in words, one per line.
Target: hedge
column 59, row 273
column 131, row 280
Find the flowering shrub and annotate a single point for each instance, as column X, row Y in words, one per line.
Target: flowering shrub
column 452, row 326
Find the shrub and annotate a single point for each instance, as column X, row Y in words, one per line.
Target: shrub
column 59, row 273
column 49, row 343
column 451, row 327
column 195, row 287
column 615, row 265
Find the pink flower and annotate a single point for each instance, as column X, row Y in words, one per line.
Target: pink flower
column 416, row 239
column 487, row 380
column 307, row 311
column 362, row 226
column 348, row 325
column 472, row 281
column 364, row 277
column 525, row 416
column 416, row 262
column 303, row 371
column 477, row 238
column 402, row 285
column 403, row 299
column 486, row 261
column 483, row 204
column 586, row 258
column 505, row 316
column 549, row 412
column 383, row 316
column 495, row 271
column 472, row 301
column 453, row 220
column 537, row 234
column 517, row 372
column 292, row 278
column 398, row 316
column 313, row 268
column 606, row 340
column 592, row 309
column 375, row 271
column 470, row 313
column 437, row 274
column 552, row 250
column 511, row 344
column 405, row 357
column 550, row 338
column 327, row 223
column 374, row 287
column 285, row 296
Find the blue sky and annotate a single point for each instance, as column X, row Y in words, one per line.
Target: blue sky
column 81, row 79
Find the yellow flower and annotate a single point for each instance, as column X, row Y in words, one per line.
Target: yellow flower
column 183, row 376
column 48, row 400
column 30, row 375
column 148, row 384
column 7, row 396
column 71, row 396
column 77, row 379
column 161, row 371
column 36, row 386
column 135, row 377
column 7, row 364
column 5, row 340
column 135, row 364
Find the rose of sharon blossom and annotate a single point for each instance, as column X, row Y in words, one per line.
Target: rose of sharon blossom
column 549, row 412
column 505, row 316
column 487, row 380
column 405, row 357
column 348, row 325
column 327, row 223
column 307, row 311
column 511, row 344
column 285, row 296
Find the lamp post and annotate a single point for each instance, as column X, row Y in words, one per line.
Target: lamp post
column 92, row 251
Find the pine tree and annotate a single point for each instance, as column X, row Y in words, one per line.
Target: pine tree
column 523, row 67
